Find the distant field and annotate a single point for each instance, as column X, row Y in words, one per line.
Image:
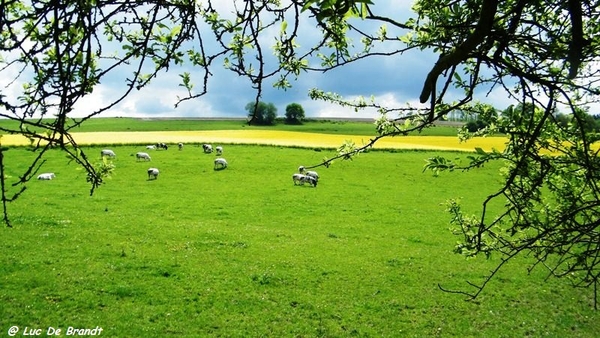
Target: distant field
column 312, row 126
column 272, row 137
column 323, row 134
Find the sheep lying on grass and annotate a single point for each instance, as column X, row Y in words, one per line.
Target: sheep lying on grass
column 46, row 176
column 220, row 163
column 152, row 173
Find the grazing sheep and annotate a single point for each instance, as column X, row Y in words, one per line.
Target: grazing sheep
column 310, row 180
column 180, row 145
column 297, row 178
column 162, row 146
column 150, row 147
column 220, row 163
column 219, row 150
column 46, row 176
column 310, row 173
column 152, row 173
column 207, row 148
column 142, row 156
column 107, row 153
column 300, row 179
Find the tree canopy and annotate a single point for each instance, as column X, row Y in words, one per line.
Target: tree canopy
column 262, row 113
column 543, row 53
column 294, row 113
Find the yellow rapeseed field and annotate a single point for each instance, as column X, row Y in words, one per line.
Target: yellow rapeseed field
column 273, row 137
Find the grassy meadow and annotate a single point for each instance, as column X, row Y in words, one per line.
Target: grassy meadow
column 243, row 252
column 310, row 126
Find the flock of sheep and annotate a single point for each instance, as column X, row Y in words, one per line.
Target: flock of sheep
column 220, row 163
column 304, row 176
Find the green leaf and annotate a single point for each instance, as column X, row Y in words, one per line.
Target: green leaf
column 457, row 77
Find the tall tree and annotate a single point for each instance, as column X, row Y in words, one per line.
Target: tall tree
column 294, row 113
column 544, row 53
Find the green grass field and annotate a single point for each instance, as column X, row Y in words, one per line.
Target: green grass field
column 310, row 126
column 243, row 252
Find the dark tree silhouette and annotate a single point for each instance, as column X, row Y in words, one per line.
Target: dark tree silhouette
column 261, row 113
column 294, row 113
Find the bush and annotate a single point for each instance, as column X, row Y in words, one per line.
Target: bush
column 473, row 126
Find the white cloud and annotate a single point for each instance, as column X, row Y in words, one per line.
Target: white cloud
column 497, row 97
column 388, row 100
column 393, row 80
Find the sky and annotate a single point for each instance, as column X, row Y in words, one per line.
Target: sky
column 393, row 81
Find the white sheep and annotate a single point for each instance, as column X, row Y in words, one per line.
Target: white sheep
column 142, row 156
column 46, row 176
column 152, row 173
column 107, row 153
column 219, row 150
column 151, row 147
column 297, row 178
column 310, row 173
column 220, row 163
column 310, row 180
column 207, row 148
column 300, row 179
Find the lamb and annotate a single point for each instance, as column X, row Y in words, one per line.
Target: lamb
column 220, row 163
column 107, row 153
column 219, row 150
column 152, row 173
column 207, row 148
column 310, row 173
column 46, row 176
column 142, row 156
